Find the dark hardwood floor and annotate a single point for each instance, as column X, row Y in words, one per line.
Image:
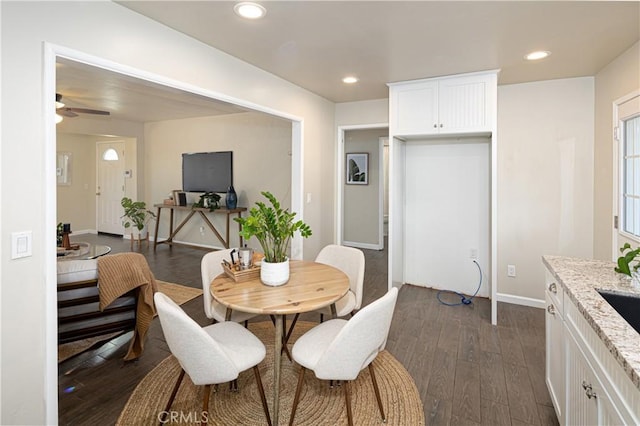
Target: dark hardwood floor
column 467, row 371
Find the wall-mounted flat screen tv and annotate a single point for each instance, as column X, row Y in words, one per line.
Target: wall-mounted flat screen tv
column 207, row 171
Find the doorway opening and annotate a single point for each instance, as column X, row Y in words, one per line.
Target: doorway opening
column 361, row 205
column 52, row 56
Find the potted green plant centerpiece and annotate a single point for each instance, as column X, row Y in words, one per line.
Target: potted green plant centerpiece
column 273, row 227
column 626, row 263
column 136, row 215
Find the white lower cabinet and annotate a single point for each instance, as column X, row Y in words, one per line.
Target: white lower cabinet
column 555, row 354
column 586, row 383
column 587, row 400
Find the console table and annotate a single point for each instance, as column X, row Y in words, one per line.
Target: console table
column 202, row 212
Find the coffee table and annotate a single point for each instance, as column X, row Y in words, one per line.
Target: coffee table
column 85, row 251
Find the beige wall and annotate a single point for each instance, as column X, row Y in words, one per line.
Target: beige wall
column 112, row 33
column 362, row 112
column 261, row 147
column 619, row 78
column 545, row 178
column 361, row 215
column 76, row 203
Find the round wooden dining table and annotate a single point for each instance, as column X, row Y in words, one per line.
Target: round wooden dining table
column 311, row 286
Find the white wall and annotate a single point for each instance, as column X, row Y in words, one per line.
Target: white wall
column 261, row 146
column 447, row 214
column 619, row 78
column 545, row 178
column 113, row 33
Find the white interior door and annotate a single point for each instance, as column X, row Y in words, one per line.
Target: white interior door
column 110, row 187
column 627, row 173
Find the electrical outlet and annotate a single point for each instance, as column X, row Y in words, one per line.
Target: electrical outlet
column 202, row 230
column 511, row 270
column 473, row 253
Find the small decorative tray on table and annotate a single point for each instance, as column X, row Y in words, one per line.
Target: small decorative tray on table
column 241, row 275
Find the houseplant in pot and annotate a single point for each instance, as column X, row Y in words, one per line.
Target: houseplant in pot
column 136, row 215
column 629, row 263
column 273, row 227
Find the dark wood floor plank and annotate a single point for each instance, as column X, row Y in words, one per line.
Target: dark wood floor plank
column 466, row 393
column 493, row 386
column 449, row 335
column 547, row 415
column 437, row 411
column 495, row 414
column 469, row 344
column 510, row 346
column 489, row 338
column 443, row 375
column 535, row 360
column 522, row 404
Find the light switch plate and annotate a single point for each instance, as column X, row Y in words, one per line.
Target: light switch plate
column 21, row 244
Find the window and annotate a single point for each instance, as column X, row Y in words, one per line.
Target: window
column 110, row 155
column 630, row 184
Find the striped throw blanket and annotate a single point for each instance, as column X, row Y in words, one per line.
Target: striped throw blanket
column 120, row 273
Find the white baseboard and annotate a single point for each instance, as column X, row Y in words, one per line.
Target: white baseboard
column 84, row 231
column 363, row 245
column 520, row 300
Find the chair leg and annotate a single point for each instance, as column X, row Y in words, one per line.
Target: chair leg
column 377, row 391
column 246, row 323
column 265, row 407
column 174, row 392
column 285, row 338
column 347, row 400
column 321, row 318
column 296, row 398
column 205, row 399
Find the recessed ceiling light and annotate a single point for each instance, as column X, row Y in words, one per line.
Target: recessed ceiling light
column 350, row 79
column 250, row 10
column 540, row 54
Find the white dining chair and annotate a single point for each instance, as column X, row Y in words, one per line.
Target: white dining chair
column 350, row 261
column 339, row 349
column 211, row 267
column 210, row 355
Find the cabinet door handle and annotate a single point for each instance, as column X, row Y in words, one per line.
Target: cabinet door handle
column 553, row 288
column 441, row 125
column 588, row 390
column 551, row 309
column 435, row 126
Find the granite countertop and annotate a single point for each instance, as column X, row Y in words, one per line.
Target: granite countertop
column 580, row 278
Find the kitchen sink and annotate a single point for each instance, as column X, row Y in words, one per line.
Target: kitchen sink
column 627, row 306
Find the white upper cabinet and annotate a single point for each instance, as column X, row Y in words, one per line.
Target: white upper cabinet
column 450, row 105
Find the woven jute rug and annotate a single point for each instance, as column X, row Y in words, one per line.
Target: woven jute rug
column 319, row 404
column 177, row 292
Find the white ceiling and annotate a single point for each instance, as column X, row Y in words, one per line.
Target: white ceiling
column 315, row 44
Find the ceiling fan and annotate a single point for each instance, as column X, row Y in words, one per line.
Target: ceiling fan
column 66, row 111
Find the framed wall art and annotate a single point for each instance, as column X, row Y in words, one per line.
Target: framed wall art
column 357, row 168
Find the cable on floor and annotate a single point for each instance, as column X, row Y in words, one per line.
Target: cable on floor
column 464, row 300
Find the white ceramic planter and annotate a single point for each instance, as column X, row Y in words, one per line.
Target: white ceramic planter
column 274, row 274
column 635, row 279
